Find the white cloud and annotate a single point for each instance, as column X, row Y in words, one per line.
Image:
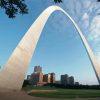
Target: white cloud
column 85, row 20
column 85, row 17
column 87, row 3
column 94, row 36
column 85, row 13
column 98, row 11
column 94, row 30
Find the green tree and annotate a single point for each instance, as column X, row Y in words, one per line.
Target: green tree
column 13, row 7
column 57, row 1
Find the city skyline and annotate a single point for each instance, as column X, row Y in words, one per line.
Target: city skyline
column 46, row 51
column 39, row 78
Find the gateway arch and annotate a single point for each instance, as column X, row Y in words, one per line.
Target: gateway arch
column 13, row 74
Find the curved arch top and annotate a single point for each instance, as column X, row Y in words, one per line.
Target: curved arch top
column 13, row 75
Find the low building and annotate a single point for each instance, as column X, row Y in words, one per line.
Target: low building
column 28, row 77
column 77, row 83
column 58, row 82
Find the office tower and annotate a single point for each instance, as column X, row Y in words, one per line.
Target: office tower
column 71, row 80
column 36, row 79
column 52, row 78
column 46, row 78
column 64, row 79
column 37, row 69
column 37, row 76
column 49, row 78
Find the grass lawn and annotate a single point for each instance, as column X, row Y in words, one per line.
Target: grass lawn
column 62, row 93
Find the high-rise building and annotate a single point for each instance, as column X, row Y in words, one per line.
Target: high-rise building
column 46, row 78
column 36, row 78
column 52, row 78
column 64, row 79
column 37, row 69
column 71, row 80
column 49, row 78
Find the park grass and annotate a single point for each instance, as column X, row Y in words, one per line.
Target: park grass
column 63, row 93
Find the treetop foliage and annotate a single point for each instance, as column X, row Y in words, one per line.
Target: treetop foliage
column 57, row 1
column 13, row 7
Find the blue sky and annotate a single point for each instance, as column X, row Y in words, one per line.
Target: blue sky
column 59, row 49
